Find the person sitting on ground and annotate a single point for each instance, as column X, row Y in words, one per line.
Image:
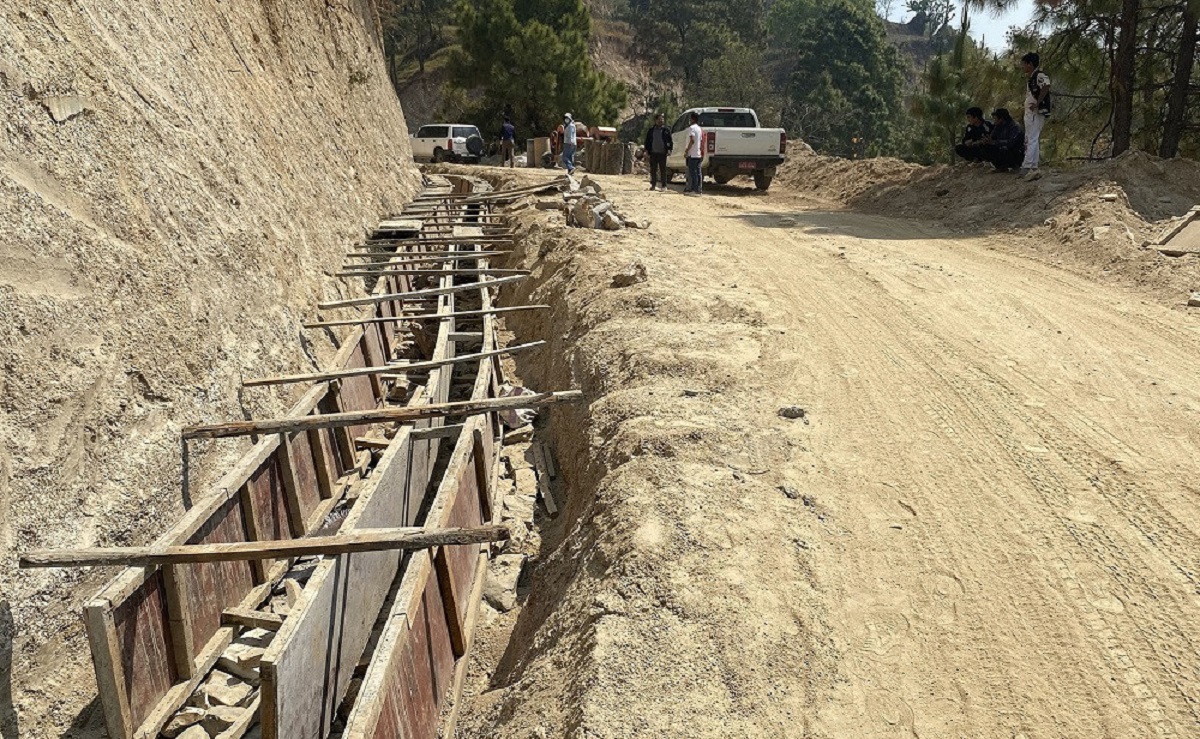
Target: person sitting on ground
column 976, row 132
column 1005, row 147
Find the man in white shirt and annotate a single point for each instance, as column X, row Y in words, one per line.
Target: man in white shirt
column 570, row 140
column 695, row 157
column 1037, row 110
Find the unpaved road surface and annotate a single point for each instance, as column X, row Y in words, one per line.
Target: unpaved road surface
column 987, row 525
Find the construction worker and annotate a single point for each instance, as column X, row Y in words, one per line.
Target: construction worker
column 974, row 136
column 658, row 147
column 1037, row 111
column 508, row 143
column 570, row 138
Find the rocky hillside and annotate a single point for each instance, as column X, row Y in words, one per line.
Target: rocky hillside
column 177, row 182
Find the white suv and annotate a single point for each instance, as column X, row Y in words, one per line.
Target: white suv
column 447, row 142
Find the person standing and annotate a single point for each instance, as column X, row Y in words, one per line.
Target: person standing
column 658, row 146
column 570, row 138
column 1037, row 111
column 974, row 136
column 695, row 157
column 508, row 144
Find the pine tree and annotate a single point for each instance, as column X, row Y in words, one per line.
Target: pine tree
column 529, row 59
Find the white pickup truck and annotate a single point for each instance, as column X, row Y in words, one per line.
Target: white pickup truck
column 734, row 144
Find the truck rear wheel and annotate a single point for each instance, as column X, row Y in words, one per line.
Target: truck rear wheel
column 762, row 181
column 438, row 155
column 722, row 179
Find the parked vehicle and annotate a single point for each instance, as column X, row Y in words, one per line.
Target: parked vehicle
column 447, row 142
column 734, row 144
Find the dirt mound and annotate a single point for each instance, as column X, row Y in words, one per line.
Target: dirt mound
column 179, row 180
column 1148, row 189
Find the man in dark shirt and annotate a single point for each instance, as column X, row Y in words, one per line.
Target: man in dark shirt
column 508, row 143
column 973, row 137
column 658, row 146
column 1005, row 147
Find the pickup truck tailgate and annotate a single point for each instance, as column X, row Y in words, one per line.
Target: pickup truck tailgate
column 747, row 142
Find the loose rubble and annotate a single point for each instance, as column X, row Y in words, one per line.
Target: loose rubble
column 631, row 275
column 584, row 205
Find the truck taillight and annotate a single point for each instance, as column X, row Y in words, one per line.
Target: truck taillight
column 782, row 142
column 449, row 144
column 710, row 140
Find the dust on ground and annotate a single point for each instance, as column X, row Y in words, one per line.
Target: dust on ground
column 980, row 525
column 164, row 239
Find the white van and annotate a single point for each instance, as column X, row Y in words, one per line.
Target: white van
column 447, row 142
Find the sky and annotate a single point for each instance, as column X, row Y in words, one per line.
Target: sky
column 992, row 30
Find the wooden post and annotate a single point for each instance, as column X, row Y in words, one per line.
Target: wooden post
column 291, row 487
column 179, row 621
column 110, row 668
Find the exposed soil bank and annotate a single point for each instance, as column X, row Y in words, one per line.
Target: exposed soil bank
column 156, row 246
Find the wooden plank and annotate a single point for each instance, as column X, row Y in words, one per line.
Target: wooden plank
column 426, row 316
column 439, row 256
column 364, row 540
column 291, row 486
column 399, row 415
column 433, row 291
column 308, row 667
column 110, row 674
column 143, row 638
column 455, row 618
column 251, row 619
column 179, row 619
column 438, row 432
column 460, row 668
column 392, row 368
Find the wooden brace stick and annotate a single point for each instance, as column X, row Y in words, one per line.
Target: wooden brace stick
column 425, row 316
column 362, row 540
column 379, row 415
column 376, row 299
column 392, row 368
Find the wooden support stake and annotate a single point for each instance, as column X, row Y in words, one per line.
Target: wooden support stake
column 543, row 480
column 376, row 299
column 179, row 621
column 359, row 540
column 385, row 369
column 251, row 619
column 378, row 415
column 110, row 668
column 425, row 316
column 291, row 486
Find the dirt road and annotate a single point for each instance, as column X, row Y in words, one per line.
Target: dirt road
column 986, row 525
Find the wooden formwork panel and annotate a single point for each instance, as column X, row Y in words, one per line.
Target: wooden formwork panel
column 144, row 641
column 308, row 668
column 305, row 463
column 428, row 650
column 465, row 513
column 212, row 587
column 358, row 393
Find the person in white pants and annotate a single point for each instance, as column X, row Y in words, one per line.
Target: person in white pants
column 1037, row 110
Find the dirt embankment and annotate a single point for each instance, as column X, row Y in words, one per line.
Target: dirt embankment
column 1095, row 218
column 157, row 244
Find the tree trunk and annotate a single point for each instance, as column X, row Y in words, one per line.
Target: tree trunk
column 1177, row 97
column 1123, row 76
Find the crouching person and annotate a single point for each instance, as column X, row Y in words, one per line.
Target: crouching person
column 974, row 136
column 1005, row 148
